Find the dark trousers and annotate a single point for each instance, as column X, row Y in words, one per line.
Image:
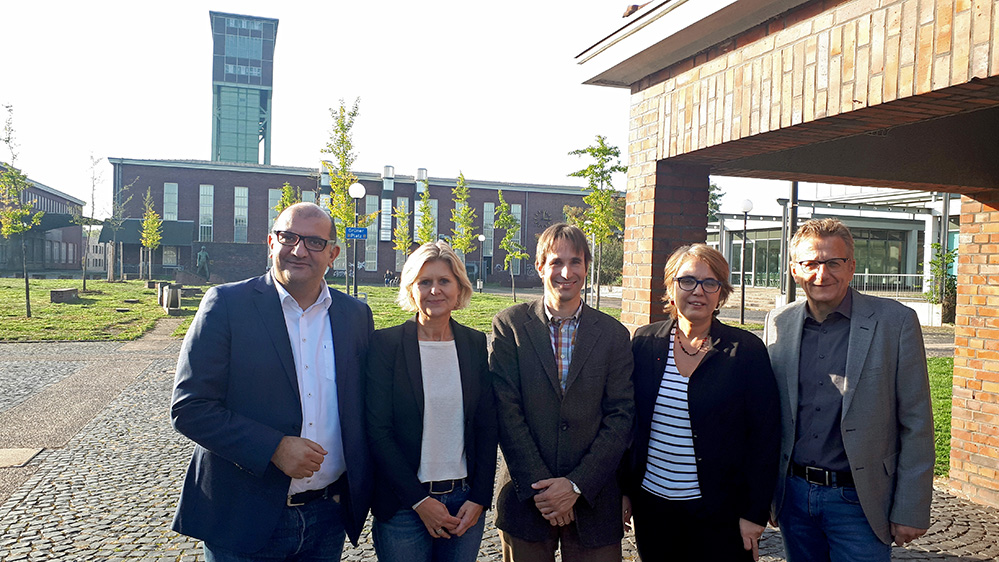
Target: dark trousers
column 684, row 530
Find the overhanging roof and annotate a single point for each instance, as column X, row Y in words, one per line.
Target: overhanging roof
column 670, row 31
column 175, row 233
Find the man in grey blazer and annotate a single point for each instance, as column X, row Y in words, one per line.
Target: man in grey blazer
column 565, row 405
column 856, row 466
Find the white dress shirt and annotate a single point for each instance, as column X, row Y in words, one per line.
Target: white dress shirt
column 312, row 347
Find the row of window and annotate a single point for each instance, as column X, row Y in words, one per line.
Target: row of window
column 381, row 230
column 44, row 203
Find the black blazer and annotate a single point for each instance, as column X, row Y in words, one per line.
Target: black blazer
column 734, row 417
column 236, row 395
column 394, row 406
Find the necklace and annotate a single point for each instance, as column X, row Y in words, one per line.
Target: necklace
column 699, row 348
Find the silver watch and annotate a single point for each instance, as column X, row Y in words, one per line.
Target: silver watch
column 575, row 488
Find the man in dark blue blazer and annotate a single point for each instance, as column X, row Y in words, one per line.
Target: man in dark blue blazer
column 269, row 386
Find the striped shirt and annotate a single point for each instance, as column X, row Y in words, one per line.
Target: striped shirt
column 563, row 334
column 671, row 469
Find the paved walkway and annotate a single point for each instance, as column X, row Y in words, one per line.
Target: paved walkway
column 105, row 483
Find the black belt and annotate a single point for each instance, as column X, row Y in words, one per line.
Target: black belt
column 823, row 477
column 333, row 491
column 444, row 486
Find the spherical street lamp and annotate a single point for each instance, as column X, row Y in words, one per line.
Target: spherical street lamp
column 356, row 192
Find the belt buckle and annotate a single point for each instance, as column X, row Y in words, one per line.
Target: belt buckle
column 289, row 503
column 823, row 479
column 436, row 493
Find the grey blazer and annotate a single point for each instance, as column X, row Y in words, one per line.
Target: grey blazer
column 887, row 420
column 543, row 433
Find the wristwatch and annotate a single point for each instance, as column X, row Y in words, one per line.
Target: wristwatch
column 575, row 488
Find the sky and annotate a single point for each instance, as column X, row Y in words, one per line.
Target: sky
column 491, row 90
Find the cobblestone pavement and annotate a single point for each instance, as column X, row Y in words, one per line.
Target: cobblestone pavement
column 106, row 484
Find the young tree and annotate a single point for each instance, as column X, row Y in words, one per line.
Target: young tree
column 402, row 241
column 88, row 222
column 425, row 232
column 714, row 201
column 603, row 223
column 152, row 231
column 341, row 146
column 463, row 217
column 289, row 196
column 514, row 250
column 16, row 217
column 115, row 221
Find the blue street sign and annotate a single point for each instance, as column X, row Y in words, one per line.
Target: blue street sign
column 357, row 233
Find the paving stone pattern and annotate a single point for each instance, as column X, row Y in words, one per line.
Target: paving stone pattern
column 109, row 493
column 21, row 379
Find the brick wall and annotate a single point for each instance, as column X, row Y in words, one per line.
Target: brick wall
column 823, row 59
column 974, row 457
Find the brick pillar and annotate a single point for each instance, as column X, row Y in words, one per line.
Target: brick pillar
column 974, row 455
column 664, row 210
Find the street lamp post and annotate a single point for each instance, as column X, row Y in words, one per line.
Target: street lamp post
column 356, row 192
column 482, row 260
column 747, row 206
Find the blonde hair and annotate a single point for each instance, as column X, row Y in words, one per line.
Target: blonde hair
column 710, row 256
column 821, row 228
column 432, row 251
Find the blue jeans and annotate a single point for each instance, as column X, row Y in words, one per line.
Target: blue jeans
column 827, row 524
column 404, row 537
column 313, row 532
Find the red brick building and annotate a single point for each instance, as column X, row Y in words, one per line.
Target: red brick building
column 887, row 93
column 228, row 209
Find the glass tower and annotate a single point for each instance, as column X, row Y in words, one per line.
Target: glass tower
column 242, row 85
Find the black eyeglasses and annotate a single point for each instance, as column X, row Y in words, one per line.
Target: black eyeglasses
column 690, row 283
column 832, row 264
column 312, row 243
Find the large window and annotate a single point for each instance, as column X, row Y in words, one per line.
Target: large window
column 239, row 124
column 206, row 213
column 517, row 211
column 371, row 203
column 273, row 198
column 241, row 201
column 169, row 201
column 488, row 216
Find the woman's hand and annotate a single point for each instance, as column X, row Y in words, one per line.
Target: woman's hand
column 626, row 513
column 435, row 516
column 751, row 533
column 469, row 516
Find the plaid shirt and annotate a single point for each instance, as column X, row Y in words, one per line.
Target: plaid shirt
column 563, row 335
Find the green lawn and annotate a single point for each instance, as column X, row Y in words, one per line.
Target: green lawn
column 92, row 317
column 941, row 386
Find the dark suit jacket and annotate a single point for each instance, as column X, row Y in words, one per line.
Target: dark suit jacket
column 395, row 415
column 734, row 418
column 887, row 419
column 580, row 435
column 236, row 395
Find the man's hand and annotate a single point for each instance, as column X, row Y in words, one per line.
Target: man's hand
column 626, row 513
column 556, row 501
column 298, row 457
column 751, row 533
column 904, row 534
column 436, row 518
column 468, row 514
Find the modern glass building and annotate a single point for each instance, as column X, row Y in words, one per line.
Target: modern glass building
column 242, row 86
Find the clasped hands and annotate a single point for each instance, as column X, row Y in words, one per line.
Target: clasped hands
column 441, row 524
column 556, row 500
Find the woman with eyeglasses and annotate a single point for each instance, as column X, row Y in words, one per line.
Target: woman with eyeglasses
column 431, row 419
column 701, row 470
